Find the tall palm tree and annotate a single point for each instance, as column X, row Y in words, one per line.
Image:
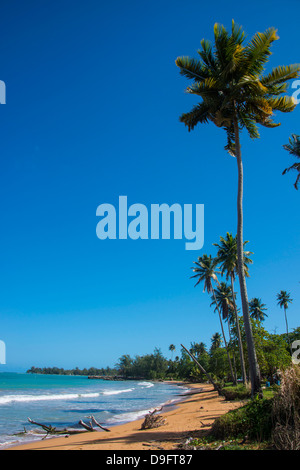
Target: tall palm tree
column 284, row 299
column 237, row 95
column 206, row 271
column 216, row 341
column 257, row 309
column 172, row 348
column 293, row 147
column 224, row 300
column 228, row 259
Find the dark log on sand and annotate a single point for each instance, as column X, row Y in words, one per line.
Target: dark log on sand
column 151, row 421
column 88, row 427
column 52, row 430
column 98, row 424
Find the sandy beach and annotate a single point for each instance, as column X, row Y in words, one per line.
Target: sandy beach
column 192, row 417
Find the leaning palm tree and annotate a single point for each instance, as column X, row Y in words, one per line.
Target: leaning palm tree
column 206, row 271
column 284, row 299
column 228, row 259
column 293, row 147
column 257, row 309
column 235, row 94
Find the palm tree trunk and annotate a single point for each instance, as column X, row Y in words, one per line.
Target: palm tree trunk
column 225, row 342
column 233, row 355
column 242, row 359
column 253, row 363
column 287, row 330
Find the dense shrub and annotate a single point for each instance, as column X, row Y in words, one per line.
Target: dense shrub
column 253, row 420
column 286, row 411
column 239, row 392
column 276, row 419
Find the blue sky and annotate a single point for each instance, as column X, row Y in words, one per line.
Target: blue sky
column 92, row 113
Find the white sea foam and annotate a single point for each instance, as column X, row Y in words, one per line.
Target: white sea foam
column 117, row 392
column 129, row 416
column 146, row 384
column 5, row 399
column 135, row 415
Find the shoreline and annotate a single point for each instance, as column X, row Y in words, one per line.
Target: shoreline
column 167, row 406
column 190, row 416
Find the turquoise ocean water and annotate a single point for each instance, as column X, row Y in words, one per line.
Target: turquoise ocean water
column 63, row 400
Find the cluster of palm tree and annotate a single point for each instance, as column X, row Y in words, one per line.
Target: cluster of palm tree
column 225, row 263
column 236, row 94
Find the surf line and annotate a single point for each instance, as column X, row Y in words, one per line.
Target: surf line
column 115, row 224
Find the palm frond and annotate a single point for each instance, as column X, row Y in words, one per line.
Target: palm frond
column 207, row 55
column 249, row 123
column 285, row 104
column 200, row 114
column 208, row 86
column 221, row 44
column 258, row 50
column 296, row 166
column 281, row 74
column 293, row 147
column 192, row 68
column 237, row 34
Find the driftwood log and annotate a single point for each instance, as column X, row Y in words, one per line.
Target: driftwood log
column 49, row 429
column 88, row 427
column 153, row 421
column 98, row 424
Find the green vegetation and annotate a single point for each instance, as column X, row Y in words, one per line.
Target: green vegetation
column 60, row 371
column 238, row 392
column 210, row 443
column 151, row 366
column 273, row 354
column 271, row 423
column 252, row 420
column 274, row 420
